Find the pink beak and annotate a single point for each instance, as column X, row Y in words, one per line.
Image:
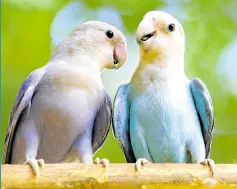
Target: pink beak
column 120, row 54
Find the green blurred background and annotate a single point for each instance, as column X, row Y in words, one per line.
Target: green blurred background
column 32, row 28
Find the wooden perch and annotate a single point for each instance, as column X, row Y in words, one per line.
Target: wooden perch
column 120, row 176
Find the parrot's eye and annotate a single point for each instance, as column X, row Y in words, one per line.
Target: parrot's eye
column 171, row 27
column 109, row 34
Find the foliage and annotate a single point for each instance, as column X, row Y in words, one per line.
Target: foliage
column 210, row 27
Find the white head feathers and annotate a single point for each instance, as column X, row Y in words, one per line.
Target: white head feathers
column 94, row 41
column 160, row 34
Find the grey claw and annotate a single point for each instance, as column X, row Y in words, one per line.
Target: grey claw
column 210, row 163
column 141, row 162
column 104, row 162
column 35, row 164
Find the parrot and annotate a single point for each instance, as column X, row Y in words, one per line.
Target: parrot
column 62, row 112
column 161, row 116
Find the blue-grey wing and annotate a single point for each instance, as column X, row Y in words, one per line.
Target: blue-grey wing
column 102, row 123
column 120, row 122
column 22, row 103
column 204, row 107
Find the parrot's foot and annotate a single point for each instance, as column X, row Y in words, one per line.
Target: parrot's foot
column 104, row 162
column 210, row 163
column 141, row 162
column 35, row 164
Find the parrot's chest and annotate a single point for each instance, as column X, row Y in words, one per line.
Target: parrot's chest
column 165, row 116
column 62, row 116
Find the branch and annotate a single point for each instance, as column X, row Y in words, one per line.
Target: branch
column 120, row 176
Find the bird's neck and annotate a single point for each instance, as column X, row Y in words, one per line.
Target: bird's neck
column 77, row 53
column 158, row 67
column 72, row 75
column 82, row 61
column 169, row 58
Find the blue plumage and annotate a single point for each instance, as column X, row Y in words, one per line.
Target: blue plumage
column 164, row 126
column 161, row 115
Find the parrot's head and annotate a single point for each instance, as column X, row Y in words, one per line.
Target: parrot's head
column 160, row 34
column 98, row 42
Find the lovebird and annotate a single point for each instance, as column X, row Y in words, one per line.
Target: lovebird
column 62, row 112
column 161, row 116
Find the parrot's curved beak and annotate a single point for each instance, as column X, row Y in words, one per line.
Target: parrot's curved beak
column 120, row 54
column 145, row 30
column 115, row 56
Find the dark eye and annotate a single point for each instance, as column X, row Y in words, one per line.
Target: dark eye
column 171, row 27
column 109, row 34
